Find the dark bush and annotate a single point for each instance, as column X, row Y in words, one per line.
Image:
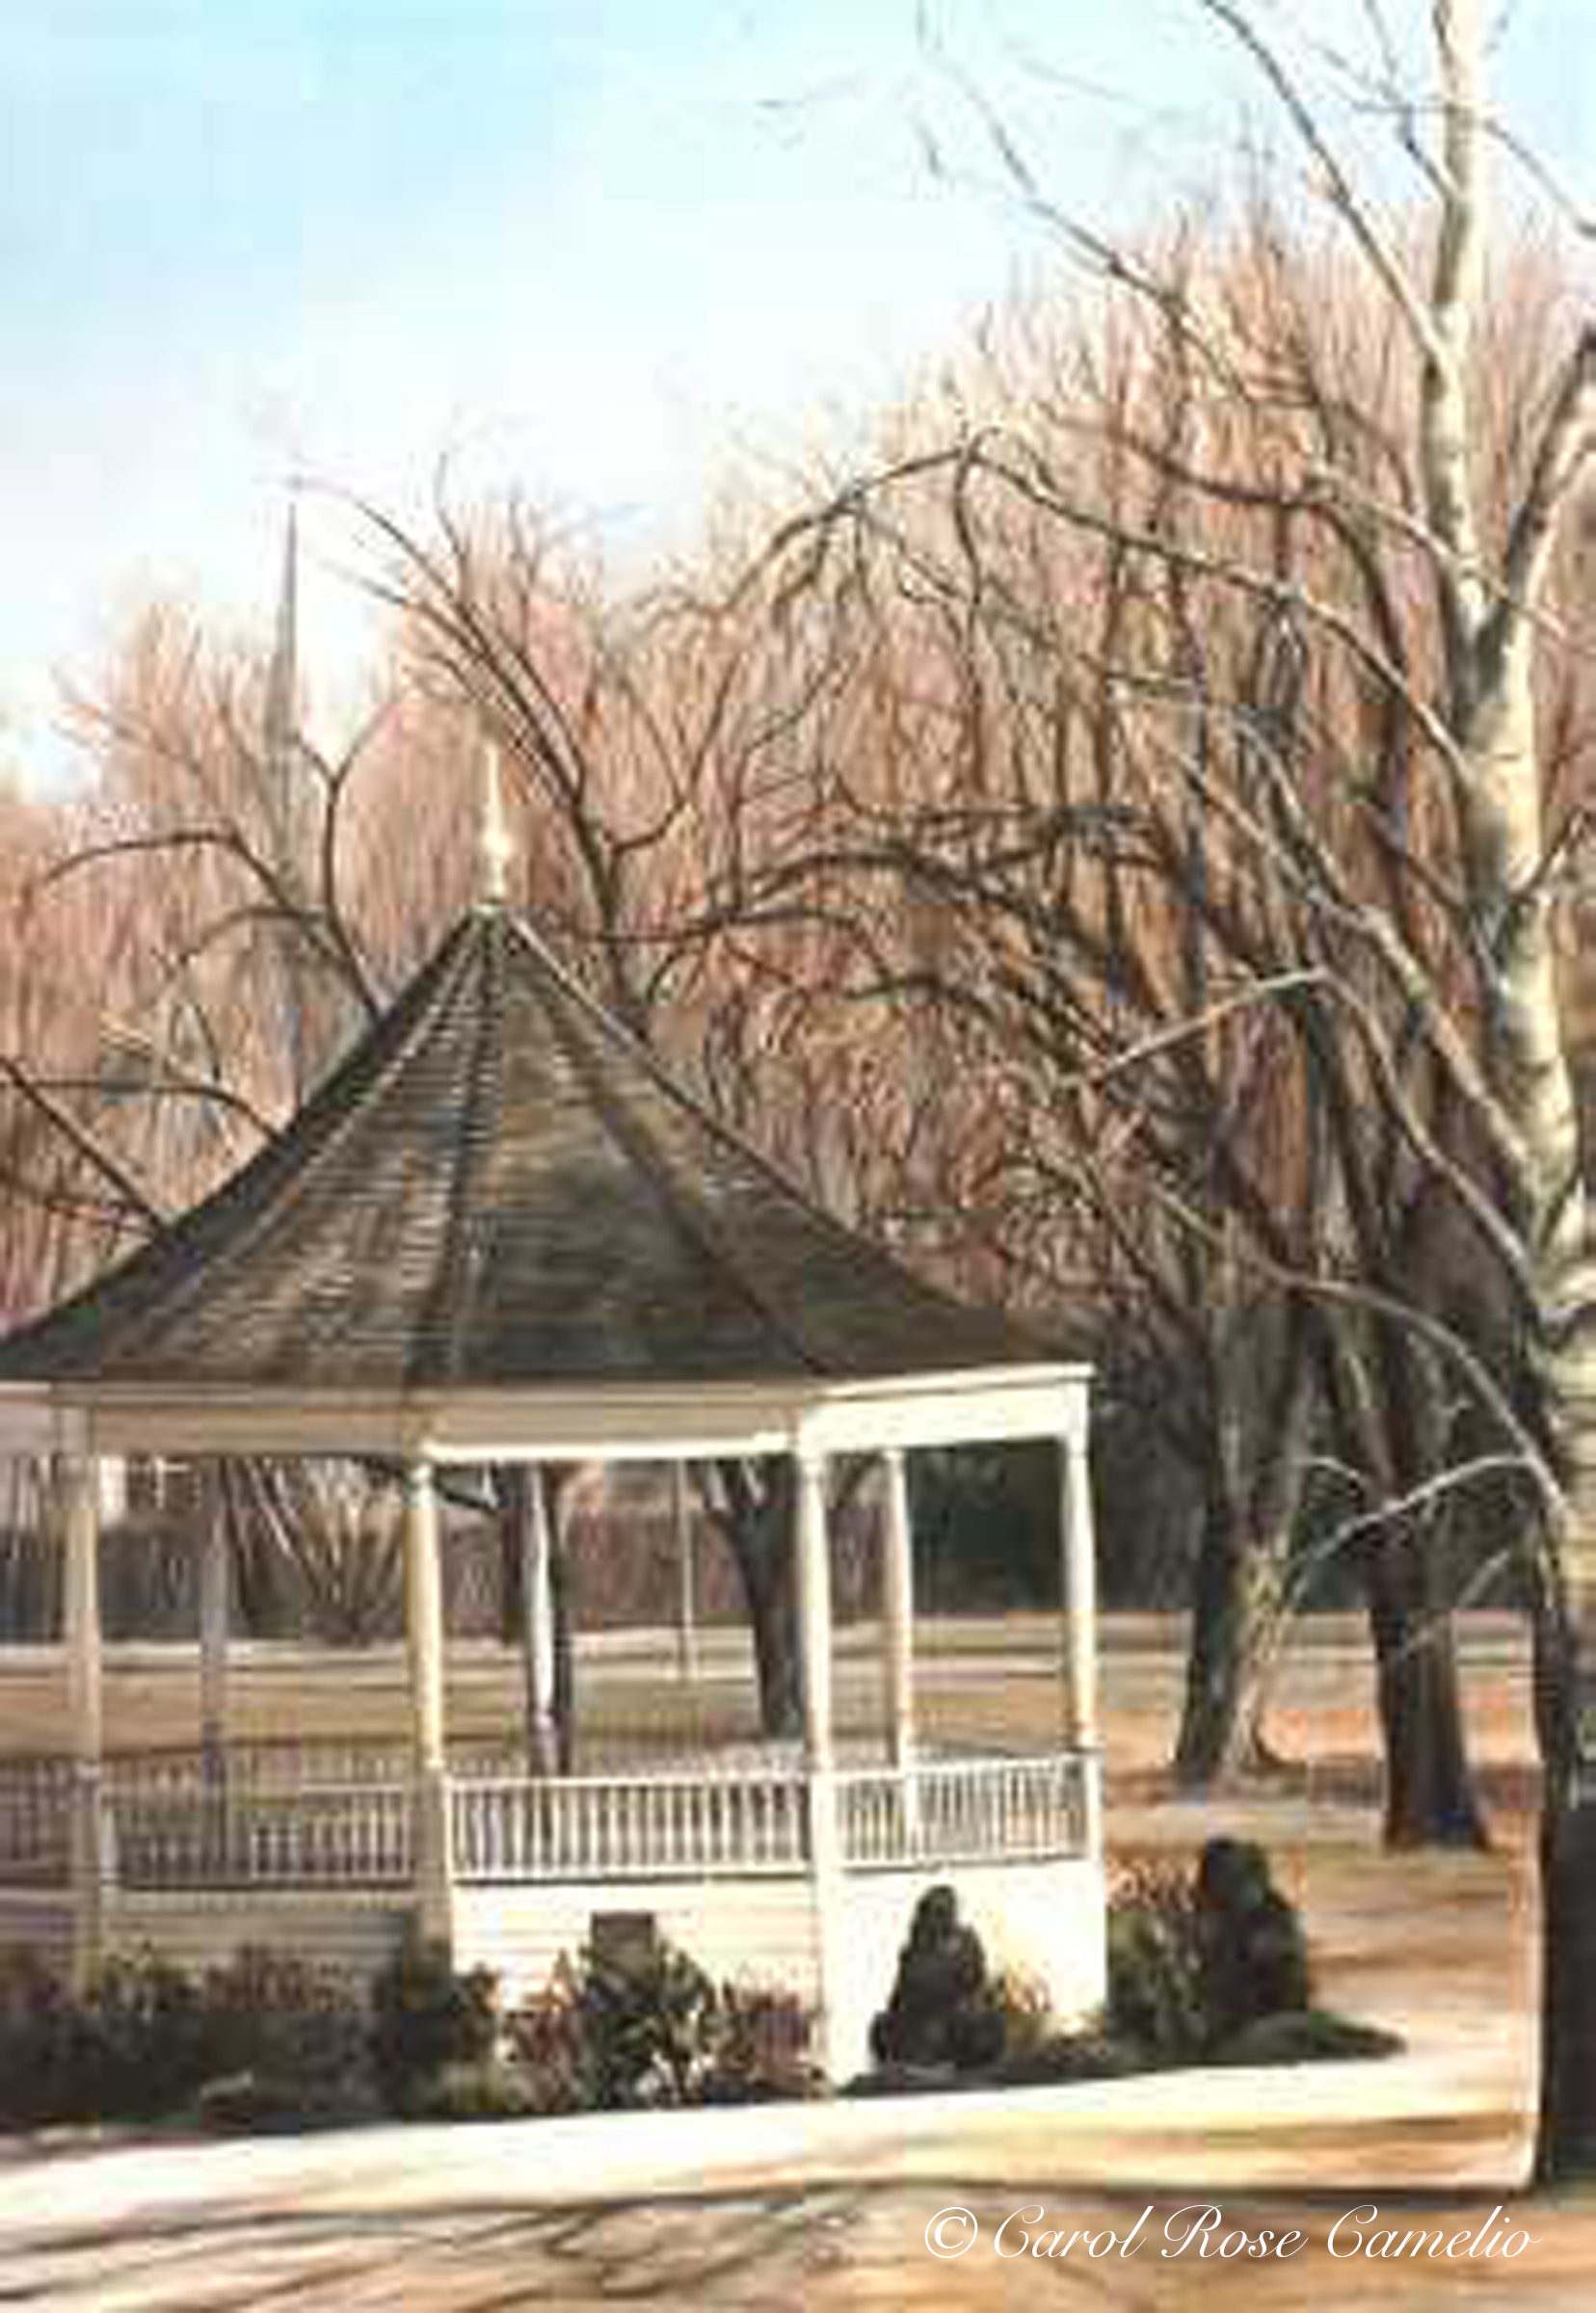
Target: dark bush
column 297, row 2032
column 263, row 2104
column 1067, row 2055
column 1204, row 1967
column 269, row 2041
column 647, row 2026
column 888, row 2078
column 1030, row 2023
column 760, row 2047
column 140, row 2040
column 1304, row 2035
column 1157, row 2001
column 426, row 2017
column 547, row 2041
column 1254, row 1954
column 39, row 2042
column 945, row 2009
column 148, row 2038
column 1213, row 1968
column 487, row 2091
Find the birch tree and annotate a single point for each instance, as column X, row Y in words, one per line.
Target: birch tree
column 1494, row 596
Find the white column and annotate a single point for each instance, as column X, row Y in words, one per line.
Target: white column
column 897, row 1609
column 1079, row 1595
column 113, row 1489
column 825, row 1848
column 424, row 1617
column 815, row 1612
column 1079, row 1662
column 537, row 1559
column 685, row 1534
column 215, row 1617
column 424, row 1626
column 90, row 1860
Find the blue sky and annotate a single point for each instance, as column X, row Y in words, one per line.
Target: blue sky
column 599, row 251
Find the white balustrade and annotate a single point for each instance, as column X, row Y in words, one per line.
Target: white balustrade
column 293, row 1767
column 35, row 1820
column 341, row 1816
column 614, row 1828
column 324, row 1836
column 966, row 1810
column 609, row 1827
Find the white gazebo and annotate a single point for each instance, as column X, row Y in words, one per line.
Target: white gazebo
column 499, row 1234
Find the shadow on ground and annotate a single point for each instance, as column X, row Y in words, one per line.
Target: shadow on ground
column 817, row 2248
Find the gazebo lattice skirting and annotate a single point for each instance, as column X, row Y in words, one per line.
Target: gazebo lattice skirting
column 499, row 1234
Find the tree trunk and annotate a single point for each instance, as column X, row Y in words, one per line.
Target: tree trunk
column 1567, row 2135
column 1429, row 1791
column 565, row 1646
column 1234, row 1617
column 771, row 1594
column 513, row 1485
column 1243, row 1557
column 1549, row 1204
column 1567, row 2143
column 751, row 1503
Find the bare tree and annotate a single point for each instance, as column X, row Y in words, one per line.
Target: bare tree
column 205, row 972
column 1385, row 833
column 1013, row 830
column 621, row 719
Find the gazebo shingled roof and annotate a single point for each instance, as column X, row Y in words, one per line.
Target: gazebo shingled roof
column 498, row 1185
column 498, row 1232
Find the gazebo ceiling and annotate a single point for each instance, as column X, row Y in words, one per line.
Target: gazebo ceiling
column 498, row 1189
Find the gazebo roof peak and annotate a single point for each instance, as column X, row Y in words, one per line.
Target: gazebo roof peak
column 501, row 1186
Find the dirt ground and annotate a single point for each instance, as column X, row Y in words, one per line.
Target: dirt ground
column 833, row 2248
column 1441, row 1946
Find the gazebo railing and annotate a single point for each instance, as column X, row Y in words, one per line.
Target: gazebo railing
column 36, row 1801
column 928, row 1812
column 170, row 1826
column 323, row 1836
column 940, row 1811
column 617, row 1828
column 287, row 1768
